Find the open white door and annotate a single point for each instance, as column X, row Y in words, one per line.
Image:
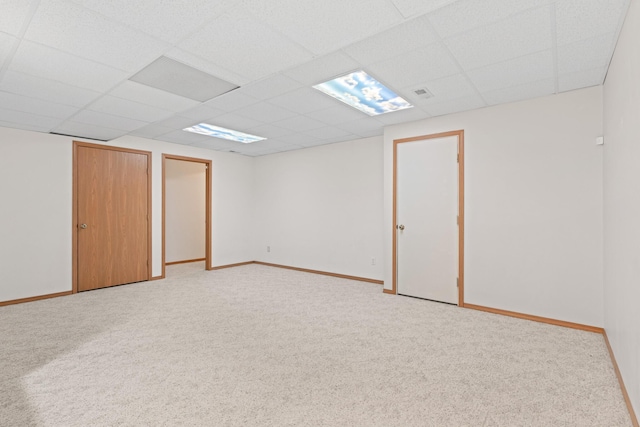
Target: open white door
column 427, row 219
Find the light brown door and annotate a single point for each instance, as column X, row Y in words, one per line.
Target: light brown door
column 112, row 203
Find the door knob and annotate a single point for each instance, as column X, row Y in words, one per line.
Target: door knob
column 83, row 226
column 400, row 227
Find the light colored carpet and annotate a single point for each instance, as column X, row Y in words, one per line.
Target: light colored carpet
column 261, row 346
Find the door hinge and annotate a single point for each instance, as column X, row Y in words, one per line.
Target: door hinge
column 458, row 282
column 458, row 220
column 458, row 158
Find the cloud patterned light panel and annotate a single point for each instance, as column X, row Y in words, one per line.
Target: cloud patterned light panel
column 361, row 91
column 220, row 132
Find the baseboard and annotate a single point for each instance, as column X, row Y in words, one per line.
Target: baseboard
column 156, row 278
column 388, row 291
column 220, row 267
column 324, row 273
column 186, row 261
column 632, row 414
column 536, row 318
column 39, row 297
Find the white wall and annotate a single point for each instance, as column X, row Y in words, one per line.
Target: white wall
column 185, row 195
column 533, row 203
column 35, row 214
column 622, row 203
column 321, row 208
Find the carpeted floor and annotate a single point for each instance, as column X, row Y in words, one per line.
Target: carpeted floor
column 261, row 346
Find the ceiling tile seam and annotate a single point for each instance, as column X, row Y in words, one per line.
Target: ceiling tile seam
column 138, row 30
column 457, row 63
column 489, row 23
column 295, row 42
column 396, row 8
column 615, row 39
column 62, row 123
column 19, row 37
column 554, row 45
column 12, row 108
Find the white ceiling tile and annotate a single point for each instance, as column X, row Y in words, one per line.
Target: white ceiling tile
column 262, row 153
column 208, row 66
column 152, row 131
column 48, row 90
column 178, row 122
column 455, row 106
column 30, row 119
column 520, row 92
column 583, row 19
column 526, row 69
column 218, row 144
column 23, row 126
column 150, row 96
column 13, row 16
column 304, row 100
column 202, row 113
column 39, row 107
column 267, row 144
column 400, row 39
column 245, row 45
column 328, row 132
column 42, row 61
column 300, row 123
column 338, row 114
column 447, row 88
column 107, row 120
column 235, row 122
column 427, row 63
column 322, row 69
column 325, row 26
column 265, row 112
column 183, row 137
column 290, row 147
column 231, row 101
column 298, row 139
column 81, row 32
column 125, row 108
column 402, row 116
column 464, row 15
column 417, row 7
column 6, row 46
column 167, row 20
column 586, row 54
column 269, row 87
column 580, row 79
column 360, row 126
column 269, row 131
column 529, row 32
column 88, row 131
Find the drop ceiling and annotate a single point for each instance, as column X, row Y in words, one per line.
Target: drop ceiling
column 65, row 65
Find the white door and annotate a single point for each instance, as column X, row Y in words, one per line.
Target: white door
column 426, row 213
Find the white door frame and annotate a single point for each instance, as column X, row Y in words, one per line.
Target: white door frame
column 460, row 135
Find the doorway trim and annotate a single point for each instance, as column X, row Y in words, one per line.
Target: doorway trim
column 74, row 207
column 208, row 163
column 394, row 272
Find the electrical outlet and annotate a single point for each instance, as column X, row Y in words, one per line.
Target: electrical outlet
column 268, row 248
column 373, row 261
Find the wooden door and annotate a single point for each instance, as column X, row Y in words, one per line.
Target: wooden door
column 426, row 212
column 112, row 217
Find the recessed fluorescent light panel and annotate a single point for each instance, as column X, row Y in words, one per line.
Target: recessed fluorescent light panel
column 218, row 132
column 175, row 77
column 361, row 91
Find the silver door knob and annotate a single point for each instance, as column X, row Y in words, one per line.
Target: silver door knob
column 400, row 227
column 83, row 226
